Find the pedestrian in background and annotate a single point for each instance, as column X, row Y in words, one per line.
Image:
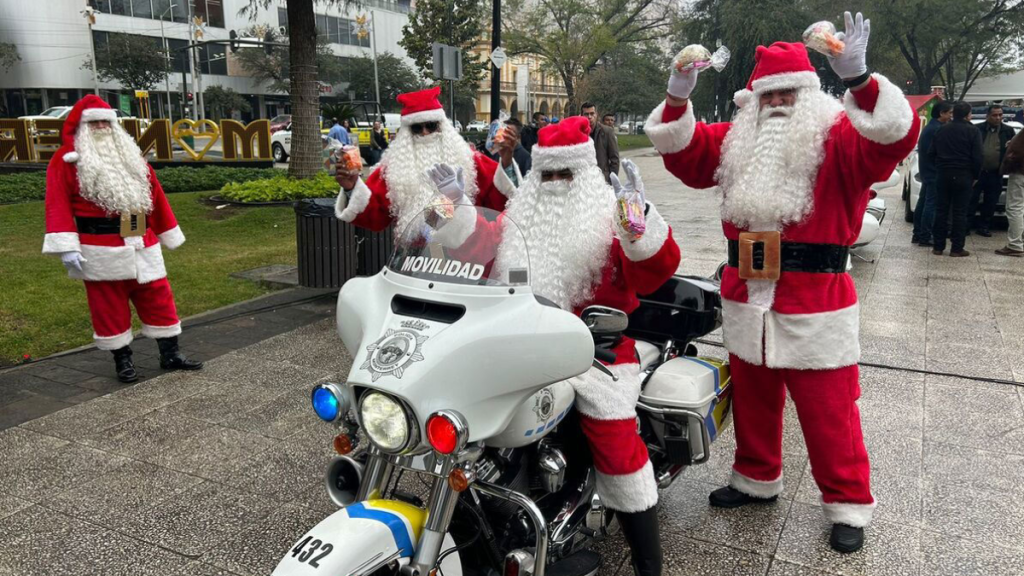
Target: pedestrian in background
column 609, row 121
column 529, row 135
column 994, row 137
column 513, row 139
column 1013, row 165
column 378, row 143
column 924, row 211
column 956, row 153
column 338, row 132
column 605, row 144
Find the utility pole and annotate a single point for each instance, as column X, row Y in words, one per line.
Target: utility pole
column 167, row 58
column 90, row 18
column 373, row 39
column 192, row 59
column 495, row 71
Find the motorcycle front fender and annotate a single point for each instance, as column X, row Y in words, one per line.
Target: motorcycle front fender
column 359, row 539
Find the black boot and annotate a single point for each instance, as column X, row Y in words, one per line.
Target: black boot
column 846, row 539
column 171, row 358
column 641, row 532
column 124, row 366
column 729, row 497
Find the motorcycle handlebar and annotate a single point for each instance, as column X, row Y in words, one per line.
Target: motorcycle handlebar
column 604, row 355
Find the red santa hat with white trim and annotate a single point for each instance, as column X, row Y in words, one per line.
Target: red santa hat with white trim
column 564, row 145
column 781, row 66
column 91, row 108
column 421, row 106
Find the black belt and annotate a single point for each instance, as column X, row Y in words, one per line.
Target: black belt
column 799, row 257
column 98, row 225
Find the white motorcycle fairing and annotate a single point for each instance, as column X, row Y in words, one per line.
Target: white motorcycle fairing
column 507, row 343
column 359, row 539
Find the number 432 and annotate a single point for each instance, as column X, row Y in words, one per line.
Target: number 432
column 306, row 554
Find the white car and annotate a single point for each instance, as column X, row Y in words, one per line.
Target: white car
column 477, row 126
column 912, row 182
column 54, row 113
column 281, row 143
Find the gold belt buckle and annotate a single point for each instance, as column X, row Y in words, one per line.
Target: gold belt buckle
column 133, row 224
column 766, row 245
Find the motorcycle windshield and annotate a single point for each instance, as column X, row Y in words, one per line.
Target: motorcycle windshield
column 466, row 245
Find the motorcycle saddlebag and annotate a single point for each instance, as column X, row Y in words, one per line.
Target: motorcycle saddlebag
column 682, row 309
column 690, row 400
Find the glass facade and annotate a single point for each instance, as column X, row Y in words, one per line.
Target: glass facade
column 336, row 30
column 211, row 11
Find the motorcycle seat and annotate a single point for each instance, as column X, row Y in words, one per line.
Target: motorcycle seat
column 647, row 353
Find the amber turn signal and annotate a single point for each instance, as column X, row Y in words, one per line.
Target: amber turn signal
column 343, row 444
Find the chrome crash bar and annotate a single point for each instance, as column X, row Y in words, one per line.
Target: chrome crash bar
column 536, row 517
column 689, row 415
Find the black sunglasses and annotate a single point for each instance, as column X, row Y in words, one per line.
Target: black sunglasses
column 424, row 128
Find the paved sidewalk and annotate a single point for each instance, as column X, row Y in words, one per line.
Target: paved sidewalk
column 218, row 472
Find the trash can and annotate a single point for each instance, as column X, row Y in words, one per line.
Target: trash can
column 330, row 251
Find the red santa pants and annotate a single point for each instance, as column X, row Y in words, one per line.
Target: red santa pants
column 112, row 318
column 826, row 404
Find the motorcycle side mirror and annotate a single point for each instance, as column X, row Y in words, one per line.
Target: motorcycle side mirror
column 604, row 320
column 719, row 272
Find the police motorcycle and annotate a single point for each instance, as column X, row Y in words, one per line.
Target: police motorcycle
column 459, row 376
column 871, row 229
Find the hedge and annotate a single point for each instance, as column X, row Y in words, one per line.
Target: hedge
column 29, row 186
column 281, row 188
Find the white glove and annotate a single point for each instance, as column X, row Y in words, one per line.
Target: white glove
column 72, row 260
column 681, row 84
column 853, row 61
column 449, row 181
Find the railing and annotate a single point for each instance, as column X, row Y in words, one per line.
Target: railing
column 534, row 88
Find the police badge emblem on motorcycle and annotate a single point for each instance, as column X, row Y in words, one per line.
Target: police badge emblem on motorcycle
column 393, row 353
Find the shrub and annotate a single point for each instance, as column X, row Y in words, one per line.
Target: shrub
column 29, row 186
column 281, row 188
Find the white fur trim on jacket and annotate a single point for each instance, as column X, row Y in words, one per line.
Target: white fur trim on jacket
column 172, row 238
column 71, row 157
column 628, row 493
column 346, row 208
column 756, row 488
column 601, row 398
column 670, row 137
column 892, row 118
column 575, row 157
column 856, row 515
column 651, row 242
column 819, row 341
column 57, row 242
column 425, row 116
column 155, row 332
column 786, row 81
column 113, row 342
column 503, row 183
column 97, row 114
column 453, row 234
column 120, row 263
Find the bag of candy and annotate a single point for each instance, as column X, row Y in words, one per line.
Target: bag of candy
column 697, row 57
column 631, row 216
column 496, row 132
column 821, row 37
column 338, row 155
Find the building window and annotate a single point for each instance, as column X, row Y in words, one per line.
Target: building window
column 211, row 11
column 142, row 9
column 282, row 19
column 179, row 61
column 121, row 7
column 214, row 59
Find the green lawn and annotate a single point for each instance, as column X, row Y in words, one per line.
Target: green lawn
column 42, row 311
column 634, row 141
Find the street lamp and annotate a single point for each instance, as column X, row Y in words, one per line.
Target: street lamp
column 167, row 72
column 90, row 17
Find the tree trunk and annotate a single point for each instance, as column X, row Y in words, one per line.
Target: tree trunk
column 305, row 95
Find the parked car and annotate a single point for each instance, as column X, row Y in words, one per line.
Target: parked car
column 54, row 113
column 477, row 126
column 458, row 126
column 281, row 143
column 279, row 122
column 912, row 181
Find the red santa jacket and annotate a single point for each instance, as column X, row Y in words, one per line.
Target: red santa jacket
column 108, row 256
column 368, row 205
column 813, row 320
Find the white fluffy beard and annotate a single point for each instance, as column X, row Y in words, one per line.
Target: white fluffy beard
column 769, row 164
column 568, row 232
column 407, row 159
column 111, row 170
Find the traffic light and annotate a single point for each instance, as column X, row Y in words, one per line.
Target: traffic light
column 267, row 39
column 189, row 97
column 234, row 45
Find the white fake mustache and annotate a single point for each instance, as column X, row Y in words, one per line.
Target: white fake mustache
column 555, row 187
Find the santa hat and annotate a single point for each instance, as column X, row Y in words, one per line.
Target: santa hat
column 421, row 106
column 564, row 145
column 92, row 108
column 781, row 66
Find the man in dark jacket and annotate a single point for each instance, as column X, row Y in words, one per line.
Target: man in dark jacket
column 994, row 137
column 605, row 144
column 924, row 211
column 378, row 143
column 956, row 153
column 529, row 135
column 521, row 155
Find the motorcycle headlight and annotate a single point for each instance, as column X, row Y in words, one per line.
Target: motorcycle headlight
column 385, row 422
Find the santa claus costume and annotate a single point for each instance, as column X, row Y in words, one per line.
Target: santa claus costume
column 794, row 182
column 96, row 176
column 580, row 256
column 400, row 187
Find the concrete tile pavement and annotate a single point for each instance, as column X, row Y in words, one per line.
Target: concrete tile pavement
column 218, row 472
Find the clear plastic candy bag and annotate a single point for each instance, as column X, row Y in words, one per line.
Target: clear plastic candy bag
column 496, row 132
column 338, row 155
column 697, row 57
column 630, row 209
column 821, row 37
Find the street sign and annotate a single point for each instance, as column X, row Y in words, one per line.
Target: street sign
column 125, row 104
column 447, row 62
column 498, row 57
column 142, row 94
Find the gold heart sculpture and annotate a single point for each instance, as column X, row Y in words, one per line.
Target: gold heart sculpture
column 188, row 127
